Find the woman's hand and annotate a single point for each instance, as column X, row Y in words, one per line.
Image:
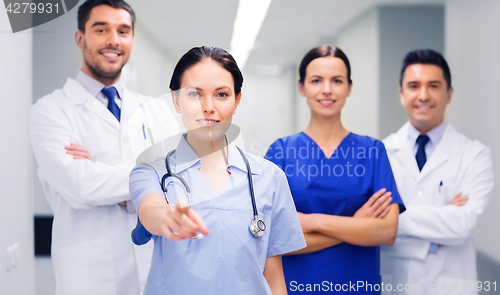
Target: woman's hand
column 375, row 223
column 377, row 205
column 181, row 222
column 78, row 152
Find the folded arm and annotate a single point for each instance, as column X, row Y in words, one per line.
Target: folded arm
column 316, row 242
column 317, row 227
column 82, row 182
column 363, row 231
column 452, row 224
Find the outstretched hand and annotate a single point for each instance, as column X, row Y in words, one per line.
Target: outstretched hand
column 377, row 206
column 78, row 152
column 181, row 222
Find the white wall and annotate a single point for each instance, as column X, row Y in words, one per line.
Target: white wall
column 149, row 68
column 302, row 112
column 403, row 29
column 265, row 111
column 472, row 51
column 16, row 212
column 376, row 43
column 360, row 42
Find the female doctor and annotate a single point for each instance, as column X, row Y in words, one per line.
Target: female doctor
column 203, row 241
column 348, row 200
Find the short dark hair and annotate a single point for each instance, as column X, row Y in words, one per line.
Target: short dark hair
column 323, row 51
column 197, row 54
column 426, row 57
column 85, row 9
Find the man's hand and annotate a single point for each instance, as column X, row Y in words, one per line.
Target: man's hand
column 181, row 222
column 78, row 152
column 377, row 205
column 459, row 200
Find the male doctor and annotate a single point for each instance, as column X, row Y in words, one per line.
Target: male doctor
column 86, row 137
column 445, row 180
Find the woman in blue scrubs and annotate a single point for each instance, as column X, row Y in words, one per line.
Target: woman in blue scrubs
column 342, row 185
column 224, row 257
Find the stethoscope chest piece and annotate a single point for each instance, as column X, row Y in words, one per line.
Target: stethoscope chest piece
column 257, row 227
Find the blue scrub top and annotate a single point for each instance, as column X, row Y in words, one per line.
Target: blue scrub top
column 340, row 185
column 230, row 260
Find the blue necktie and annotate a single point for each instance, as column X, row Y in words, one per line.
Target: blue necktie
column 422, row 140
column 110, row 93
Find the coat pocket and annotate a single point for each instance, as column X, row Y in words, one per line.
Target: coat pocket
column 86, row 268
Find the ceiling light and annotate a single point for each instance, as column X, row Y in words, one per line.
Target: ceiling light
column 249, row 19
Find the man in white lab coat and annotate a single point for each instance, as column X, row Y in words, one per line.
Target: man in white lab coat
column 86, row 137
column 445, row 180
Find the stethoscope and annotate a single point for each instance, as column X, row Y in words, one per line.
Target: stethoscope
column 256, row 226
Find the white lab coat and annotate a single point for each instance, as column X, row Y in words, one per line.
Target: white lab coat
column 461, row 165
column 92, row 250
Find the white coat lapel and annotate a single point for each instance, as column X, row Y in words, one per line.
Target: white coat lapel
column 80, row 96
column 407, row 158
column 133, row 133
column 130, row 104
column 442, row 152
column 403, row 151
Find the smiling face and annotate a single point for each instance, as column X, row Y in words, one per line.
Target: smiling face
column 424, row 95
column 206, row 100
column 106, row 43
column 326, row 86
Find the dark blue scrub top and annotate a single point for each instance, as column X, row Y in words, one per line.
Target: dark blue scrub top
column 340, row 185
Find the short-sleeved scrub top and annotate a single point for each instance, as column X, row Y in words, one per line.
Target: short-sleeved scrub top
column 230, row 260
column 338, row 185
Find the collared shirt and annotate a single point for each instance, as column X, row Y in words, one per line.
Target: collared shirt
column 230, row 260
column 94, row 87
column 434, row 134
